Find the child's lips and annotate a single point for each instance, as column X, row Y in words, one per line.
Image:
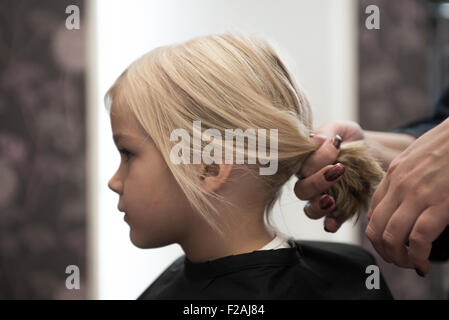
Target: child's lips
column 125, row 217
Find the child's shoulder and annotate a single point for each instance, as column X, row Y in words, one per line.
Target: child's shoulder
column 343, row 271
column 336, row 250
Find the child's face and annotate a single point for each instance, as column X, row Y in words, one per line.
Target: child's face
column 157, row 210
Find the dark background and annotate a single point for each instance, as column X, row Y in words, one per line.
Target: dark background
column 42, row 150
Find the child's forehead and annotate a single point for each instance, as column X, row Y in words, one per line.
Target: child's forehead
column 122, row 113
column 124, row 121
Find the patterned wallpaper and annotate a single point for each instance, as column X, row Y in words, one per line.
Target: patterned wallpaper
column 393, row 64
column 42, row 150
column 393, row 90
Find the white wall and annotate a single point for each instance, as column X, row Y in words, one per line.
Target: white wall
column 319, row 42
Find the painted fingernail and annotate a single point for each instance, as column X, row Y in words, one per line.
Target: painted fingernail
column 334, row 172
column 337, row 140
column 325, row 202
column 421, row 274
column 306, row 209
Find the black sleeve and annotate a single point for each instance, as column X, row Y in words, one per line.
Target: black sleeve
column 440, row 247
column 418, row 127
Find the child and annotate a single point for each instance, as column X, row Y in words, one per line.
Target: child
column 180, row 183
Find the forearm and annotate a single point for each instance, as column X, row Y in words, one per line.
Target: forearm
column 385, row 146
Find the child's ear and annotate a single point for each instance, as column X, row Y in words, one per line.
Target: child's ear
column 215, row 175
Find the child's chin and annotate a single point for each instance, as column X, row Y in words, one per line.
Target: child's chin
column 144, row 242
column 141, row 242
column 138, row 242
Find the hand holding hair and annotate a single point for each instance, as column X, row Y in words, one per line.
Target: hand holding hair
column 321, row 171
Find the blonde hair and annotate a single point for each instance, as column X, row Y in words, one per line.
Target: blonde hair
column 234, row 81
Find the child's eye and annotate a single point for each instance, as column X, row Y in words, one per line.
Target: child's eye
column 126, row 153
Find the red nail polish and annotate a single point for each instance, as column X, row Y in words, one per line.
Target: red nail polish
column 325, row 202
column 334, row 172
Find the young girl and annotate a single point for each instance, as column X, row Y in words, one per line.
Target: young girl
column 172, row 107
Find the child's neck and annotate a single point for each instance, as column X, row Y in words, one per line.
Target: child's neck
column 243, row 236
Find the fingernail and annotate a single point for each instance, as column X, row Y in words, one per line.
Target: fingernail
column 334, row 172
column 306, row 209
column 421, row 274
column 337, row 141
column 325, row 202
column 311, row 135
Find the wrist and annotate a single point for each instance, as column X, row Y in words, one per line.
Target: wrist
column 376, row 150
column 386, row 146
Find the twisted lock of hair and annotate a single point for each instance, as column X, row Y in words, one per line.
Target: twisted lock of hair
column 362, row 174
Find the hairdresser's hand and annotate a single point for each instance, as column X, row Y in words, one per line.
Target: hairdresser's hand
column 318, row 174
column 411, row 203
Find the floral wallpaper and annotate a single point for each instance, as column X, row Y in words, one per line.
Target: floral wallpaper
column 42, row 150
column 393, row 90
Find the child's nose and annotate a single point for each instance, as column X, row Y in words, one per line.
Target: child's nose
column 115, row 185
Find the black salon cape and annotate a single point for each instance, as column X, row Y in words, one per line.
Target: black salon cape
column 307, row 270
column 440, row 247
